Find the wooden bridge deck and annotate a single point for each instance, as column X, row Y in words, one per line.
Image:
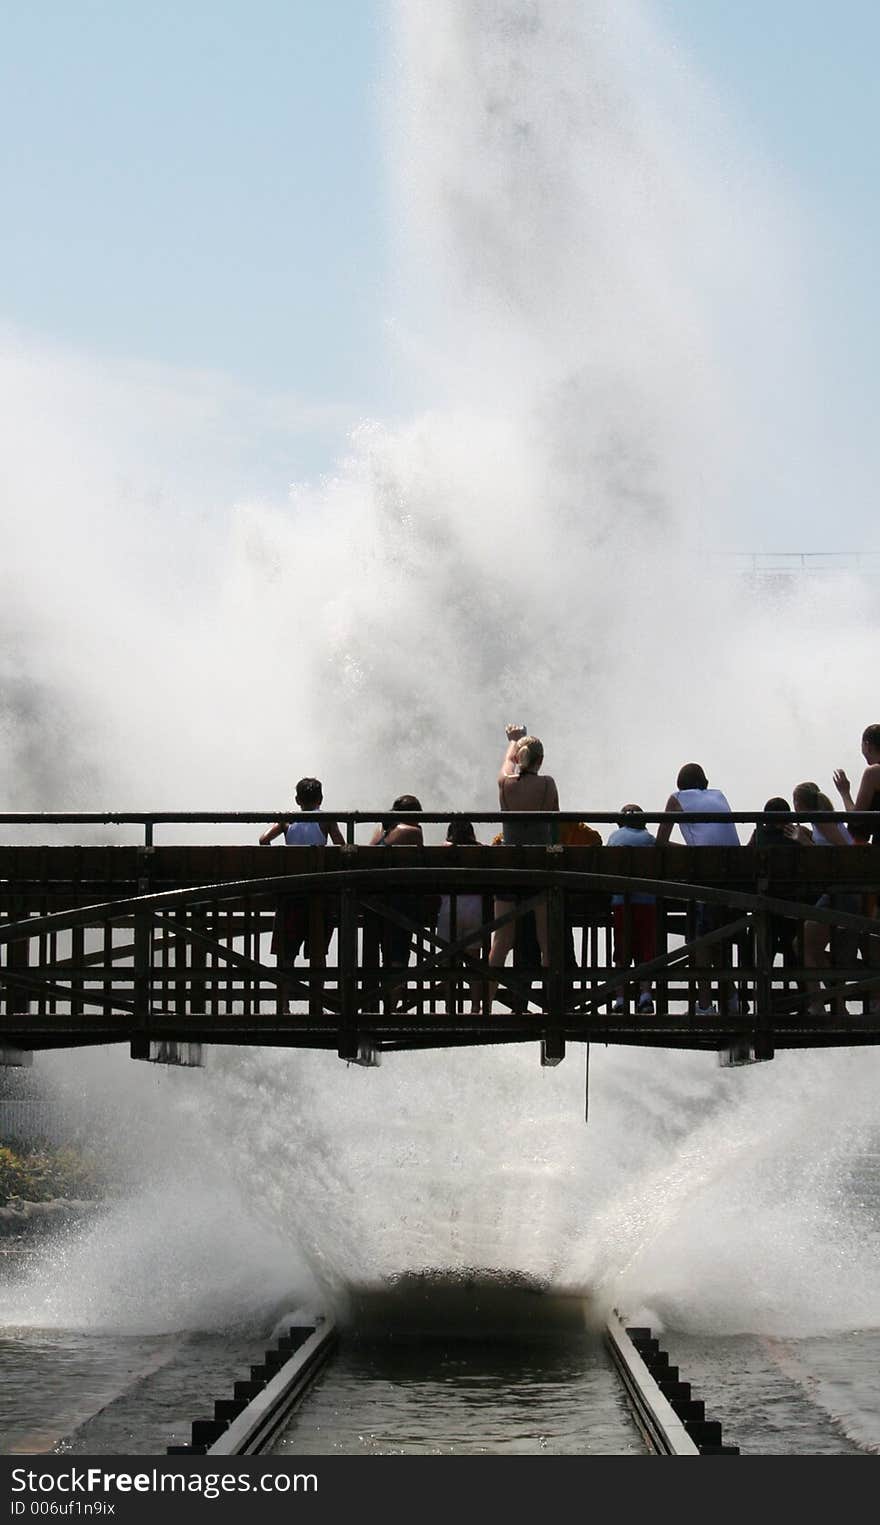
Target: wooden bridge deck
column 170, row 945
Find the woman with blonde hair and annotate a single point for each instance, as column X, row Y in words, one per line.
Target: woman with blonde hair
column 818, row 935
column 522, row 787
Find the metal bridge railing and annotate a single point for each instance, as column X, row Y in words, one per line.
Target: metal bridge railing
column 150, row 820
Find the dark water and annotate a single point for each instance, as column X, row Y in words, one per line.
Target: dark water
column 436, row 1400
column 107, row 1394
column 112, row 1395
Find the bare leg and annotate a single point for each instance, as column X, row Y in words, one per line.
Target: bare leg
column 543, row 932
column 815, row 957
column 502, row 942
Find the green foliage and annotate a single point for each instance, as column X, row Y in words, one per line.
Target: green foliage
column 45, row 1172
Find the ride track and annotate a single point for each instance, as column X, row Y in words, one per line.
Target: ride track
column 162, row 947
column 671, row 1419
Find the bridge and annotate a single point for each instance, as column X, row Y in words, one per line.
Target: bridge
column 166, row 947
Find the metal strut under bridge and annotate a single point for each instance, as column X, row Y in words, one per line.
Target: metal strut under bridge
column 166, row 948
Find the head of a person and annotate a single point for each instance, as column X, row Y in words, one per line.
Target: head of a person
column 777, row 803
column 529, row 754
column 871, row 744
column 309, row 793
column 691, row 776
column 461, row 833
column 808, row 797
column 632, row 816
column 403, row 802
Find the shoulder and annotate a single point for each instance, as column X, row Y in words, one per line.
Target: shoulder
column 405, row 836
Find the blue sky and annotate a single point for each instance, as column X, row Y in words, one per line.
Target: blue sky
column 202, row 184
column 197, row 182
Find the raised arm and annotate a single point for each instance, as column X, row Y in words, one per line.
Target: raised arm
column 868, row 789
column 515, row 734
column 841, row 784
column 664, row 830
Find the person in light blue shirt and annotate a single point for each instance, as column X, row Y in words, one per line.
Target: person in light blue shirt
column 291, row 929
column 635, row 934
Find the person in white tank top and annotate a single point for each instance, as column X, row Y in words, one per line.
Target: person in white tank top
column 693, row 795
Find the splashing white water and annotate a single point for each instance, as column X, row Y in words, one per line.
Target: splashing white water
column 534, row 540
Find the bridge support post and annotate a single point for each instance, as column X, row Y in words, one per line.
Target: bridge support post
column 552, row 1049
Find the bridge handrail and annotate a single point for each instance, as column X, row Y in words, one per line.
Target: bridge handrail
column 150, row 819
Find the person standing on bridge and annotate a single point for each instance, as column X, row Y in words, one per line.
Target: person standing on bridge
column 868, row 798
column 635, row 933
column 521, row 787
column 309, row 797
column 291, row 930
column 395, row 940
column 693, row 796
column 824, row 945
column 466, row 911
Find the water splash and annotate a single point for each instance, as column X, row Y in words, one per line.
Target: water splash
column 532, row 538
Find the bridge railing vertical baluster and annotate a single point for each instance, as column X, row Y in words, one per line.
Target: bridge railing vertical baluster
column 77, row 982
column 247, row 948
column 44, row 1003
column 143, row 936
column 198, row 961
column 661, row 983
column 347, row 1046
column 107, row 957
column 370, row 952
column 555, row 977
column 455, row 986
column 16, row 1002
column 690, row 932
column 421, row 950
column 626, row 952
column 763, row 985
column 597, row 935
column 317, row 955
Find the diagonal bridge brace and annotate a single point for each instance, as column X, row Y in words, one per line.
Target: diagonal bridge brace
column 476, row 967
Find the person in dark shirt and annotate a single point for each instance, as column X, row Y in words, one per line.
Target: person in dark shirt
column 868, row 798
column 783, row 930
